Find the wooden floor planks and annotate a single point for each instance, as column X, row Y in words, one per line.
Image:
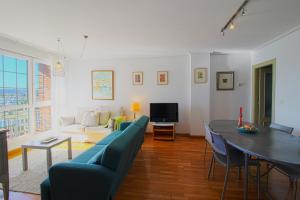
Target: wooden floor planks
column 166, row 170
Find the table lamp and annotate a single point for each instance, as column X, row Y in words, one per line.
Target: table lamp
column 135, row 107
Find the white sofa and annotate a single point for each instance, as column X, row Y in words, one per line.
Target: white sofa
column 87, row 125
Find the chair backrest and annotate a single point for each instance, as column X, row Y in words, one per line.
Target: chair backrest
column 218, row 143
column 282, row 128
column 207, row 134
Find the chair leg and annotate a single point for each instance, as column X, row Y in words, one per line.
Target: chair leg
column 205, row 150
column 239, row 173
column 210, row 167
column 225, row 182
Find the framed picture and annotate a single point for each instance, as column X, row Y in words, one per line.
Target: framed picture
column 225, row 80
column 103, row 84
column 200, row 75
column 162, row 78
column 137, row 78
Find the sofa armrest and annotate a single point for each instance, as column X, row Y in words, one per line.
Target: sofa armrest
column 124, row 125
column 66, row 121
column 77, row 181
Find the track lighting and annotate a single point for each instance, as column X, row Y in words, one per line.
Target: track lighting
column 230, row 25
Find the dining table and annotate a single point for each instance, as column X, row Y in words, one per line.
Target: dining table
column 266, row 143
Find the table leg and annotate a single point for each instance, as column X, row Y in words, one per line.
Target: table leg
column 5, row 187
column 49, row 158
column 24, row 159
column 69, row 149
column 246, row 178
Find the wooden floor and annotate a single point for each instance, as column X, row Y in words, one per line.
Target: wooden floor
column 177, row 171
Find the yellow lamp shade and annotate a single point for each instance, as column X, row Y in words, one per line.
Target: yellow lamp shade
column 135, row 107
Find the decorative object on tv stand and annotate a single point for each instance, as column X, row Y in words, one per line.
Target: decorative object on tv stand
column 162, row 78
column 103, row 84
column 137, row 78
column 225, row 80
column 135, row 107
column 200, row 75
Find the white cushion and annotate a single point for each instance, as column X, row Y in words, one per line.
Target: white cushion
column 90, row 119
column 74, row 128
column 97, row 129
column 79, row 115
column 66, row 121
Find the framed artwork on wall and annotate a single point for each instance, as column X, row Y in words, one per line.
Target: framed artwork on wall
column 200, row 75
column 137, row 78
column 162, row 78
column 103, row 84
column 225, row 80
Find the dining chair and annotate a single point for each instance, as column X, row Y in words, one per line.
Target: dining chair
column 229, row 157
column 292, row 172
column 207, row 139
column 282, row 128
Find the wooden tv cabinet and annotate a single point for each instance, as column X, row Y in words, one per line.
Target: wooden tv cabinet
column 163, row 131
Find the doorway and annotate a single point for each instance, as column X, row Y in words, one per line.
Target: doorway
column 264, row 92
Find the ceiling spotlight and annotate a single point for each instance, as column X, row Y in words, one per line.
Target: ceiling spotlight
column 231, row 26
column 244, row 12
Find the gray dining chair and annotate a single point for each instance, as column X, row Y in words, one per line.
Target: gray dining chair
column 292, row 172
column 207, row 139
column 282, row 128
column 229, row 157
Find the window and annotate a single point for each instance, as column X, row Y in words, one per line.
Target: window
column 43, row 118
column 42, row 82
column 42, row 97
column 14, row 113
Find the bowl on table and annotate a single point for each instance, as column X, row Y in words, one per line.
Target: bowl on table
column 247, row 128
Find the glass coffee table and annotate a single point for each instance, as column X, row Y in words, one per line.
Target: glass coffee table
column 38, row 144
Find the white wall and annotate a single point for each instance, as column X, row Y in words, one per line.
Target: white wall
column 200, row 99
column 287, row 97
column 79, row 84
column 225, row 104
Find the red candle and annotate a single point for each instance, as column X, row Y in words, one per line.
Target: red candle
column 241, row 111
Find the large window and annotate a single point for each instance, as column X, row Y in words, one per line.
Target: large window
column 25, row 95
column 14, row 113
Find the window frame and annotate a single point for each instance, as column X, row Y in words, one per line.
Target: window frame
column 31, row 104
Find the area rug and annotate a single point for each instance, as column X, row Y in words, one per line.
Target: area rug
column 29, row 181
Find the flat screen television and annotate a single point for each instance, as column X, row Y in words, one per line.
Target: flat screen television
column 164, row 112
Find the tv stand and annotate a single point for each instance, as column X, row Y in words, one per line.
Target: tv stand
column 163, row 131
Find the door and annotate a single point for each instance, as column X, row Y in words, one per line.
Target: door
column 264, row 95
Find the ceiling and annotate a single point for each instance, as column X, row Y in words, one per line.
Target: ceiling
column 145, row 27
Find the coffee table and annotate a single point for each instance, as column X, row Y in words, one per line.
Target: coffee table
column 37, row 144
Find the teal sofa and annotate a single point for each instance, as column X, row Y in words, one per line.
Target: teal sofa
column 97, row 173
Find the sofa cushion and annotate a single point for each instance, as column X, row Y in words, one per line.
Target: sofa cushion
column 66, row 121
column 108, row 139
column 142, row 122
column 74, row 128
column 87, row 155
column 90, row 119
column 45, row 190
column 79, row 114
column 104, row 117
column 117, row 153
column 96, row 159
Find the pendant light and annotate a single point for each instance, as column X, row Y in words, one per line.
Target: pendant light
column 59, row 68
